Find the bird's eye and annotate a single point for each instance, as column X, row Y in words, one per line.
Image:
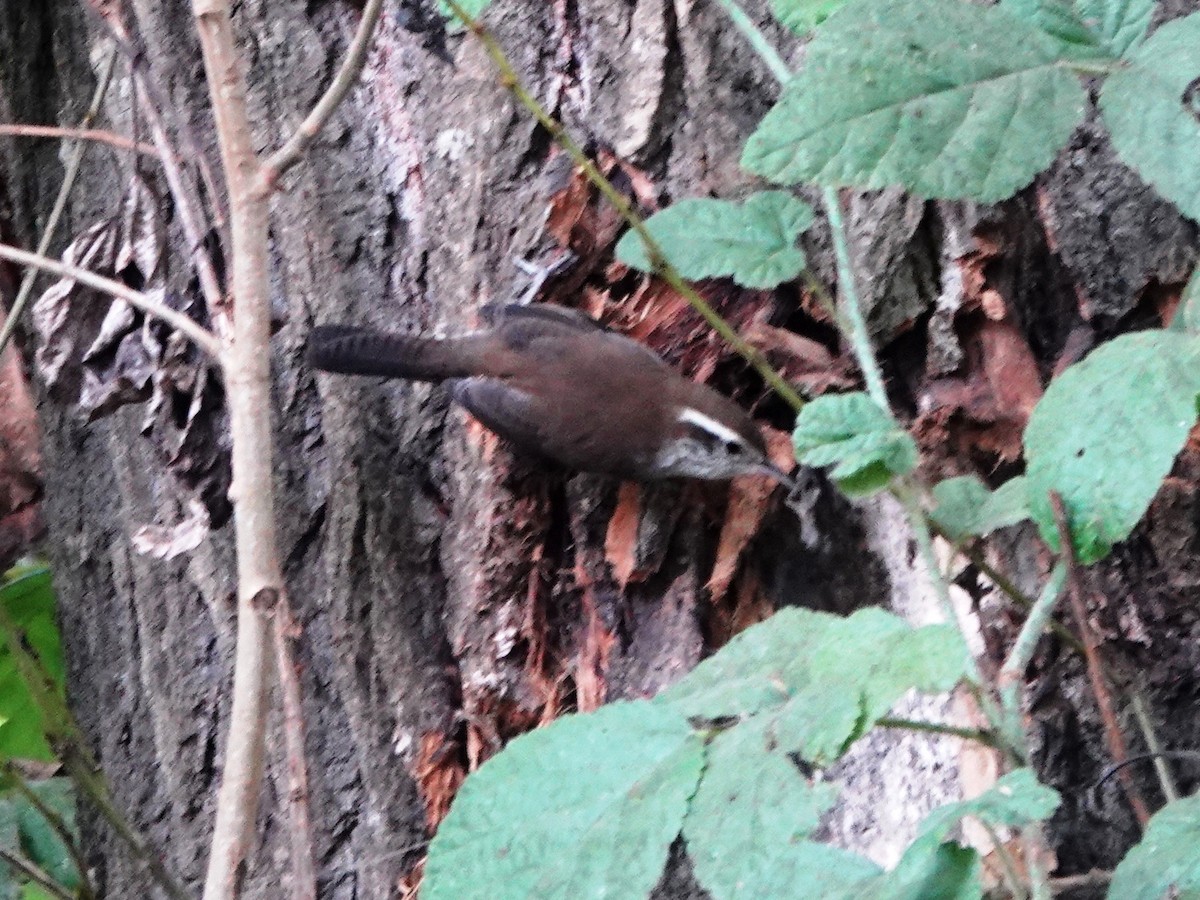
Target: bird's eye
column 733, row 448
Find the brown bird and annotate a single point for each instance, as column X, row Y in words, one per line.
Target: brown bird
column 559, row 385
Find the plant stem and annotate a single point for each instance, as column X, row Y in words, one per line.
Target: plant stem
column 968, row 734
column 81, row 134
column 1095, row 670
column 858, row 335
column 757, row 40
column 1165, row 778
column 70, row 173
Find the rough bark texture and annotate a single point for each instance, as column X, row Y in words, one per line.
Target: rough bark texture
column 451, row 596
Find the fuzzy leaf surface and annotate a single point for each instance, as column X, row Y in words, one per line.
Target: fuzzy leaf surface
column 1152, row 110
column 944, row 98
column 587, row 806
column 754, row 241
column 1106, row 433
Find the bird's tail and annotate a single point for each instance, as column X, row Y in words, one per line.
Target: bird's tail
column 350, row 350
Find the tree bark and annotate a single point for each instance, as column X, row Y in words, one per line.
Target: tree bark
column 450, row 595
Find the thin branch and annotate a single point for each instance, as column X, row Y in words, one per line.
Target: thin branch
column 1142, row 715
column 248, row 381
column 200, row 336
column 35, row 873
column 1112, row 730
column 95, row 135
column 190, row 219
column 287, row 155
column 304, row 878
column 70, row 173
column 654, row 252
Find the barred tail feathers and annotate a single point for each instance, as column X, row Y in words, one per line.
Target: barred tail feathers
column 350, row 350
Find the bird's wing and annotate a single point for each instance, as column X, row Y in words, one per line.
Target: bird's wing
column 506, row 410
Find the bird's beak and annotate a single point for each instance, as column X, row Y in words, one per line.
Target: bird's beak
column 779, row 475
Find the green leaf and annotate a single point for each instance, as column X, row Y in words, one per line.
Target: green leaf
column 25, row 831
column 754, row 241
column 1152, row 110
column 1060, row 19
column 1105, row 434
column 966, row 508
column 39, row 841
column 1187, row 316
column 932, row 868
column 746, row 827
column 817, row 681
column 1165, row 862
column 1119, row 24
column 945, row 98
column 27, row 596
column 802, row 16
column 587, row 806
column 473, row 8
column 864, row 443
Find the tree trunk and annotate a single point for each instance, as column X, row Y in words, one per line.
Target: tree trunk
column 450, row 595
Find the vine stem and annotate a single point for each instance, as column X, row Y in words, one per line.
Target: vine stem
column 757, row 40
column 654, row 252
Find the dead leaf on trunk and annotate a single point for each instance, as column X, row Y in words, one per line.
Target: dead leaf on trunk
column 100, row 354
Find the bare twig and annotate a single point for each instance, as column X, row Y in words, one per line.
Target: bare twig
column 283, row 158
column 304, row 878
column 203, row 338
column 35, row 873
column 70, row 173
column 95, row 135
column 248, row 381
column 1095, row 670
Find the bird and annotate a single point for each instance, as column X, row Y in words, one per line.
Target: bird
column 558, row 385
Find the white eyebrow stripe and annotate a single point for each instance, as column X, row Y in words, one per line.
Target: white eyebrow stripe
column 689, row 416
